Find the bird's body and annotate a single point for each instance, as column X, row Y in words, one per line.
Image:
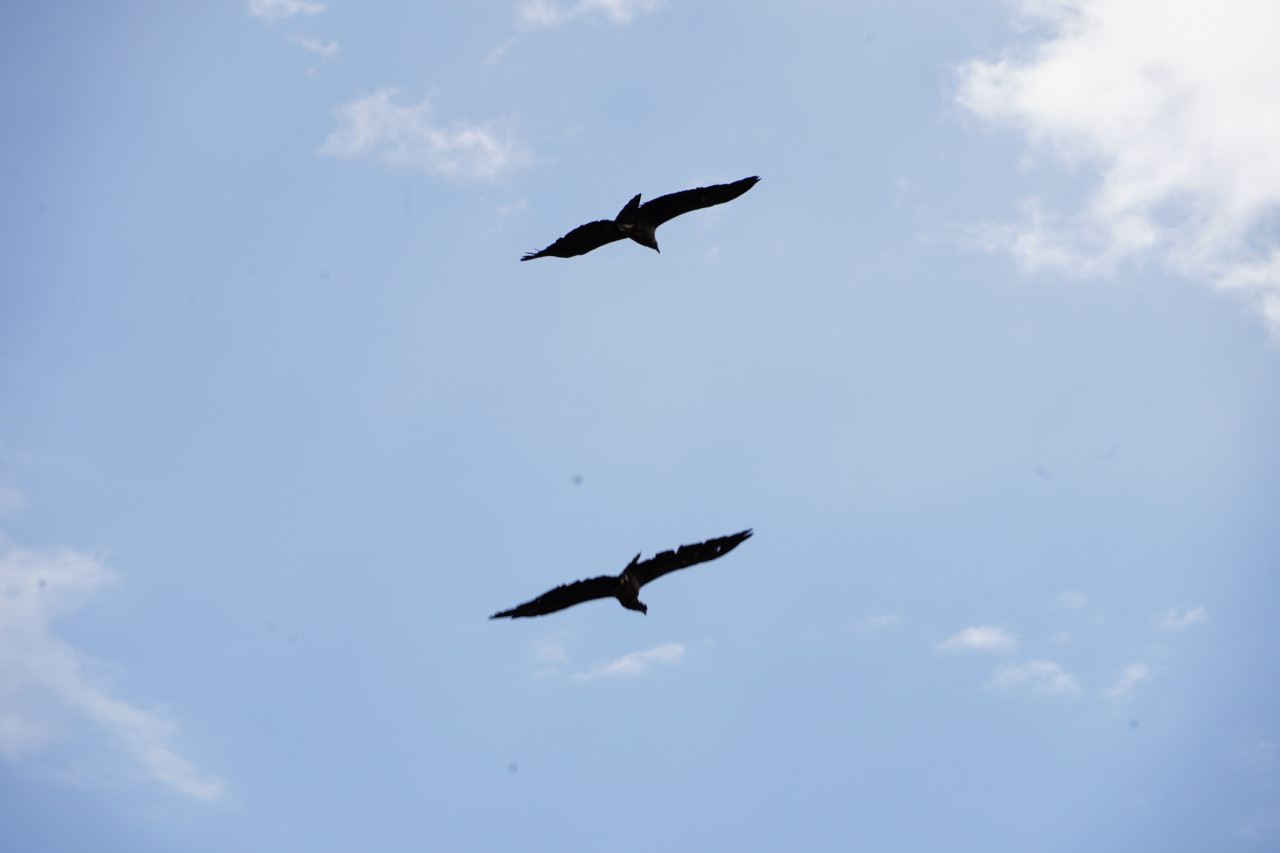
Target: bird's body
column 626, row 586
column 640, row 221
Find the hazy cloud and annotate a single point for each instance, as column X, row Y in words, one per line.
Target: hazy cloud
column 1042, row 676
column 1132, row 675
column 11, row 500
column 1176, row 619
column 276, row 10
column 1069, row 600
column 636, row 662
column 1260, row 825
column 876, row 623
column 543, row 13
column 315, row 45
column 1177, row 104
column 54, row 711
column 406, row 135
column 1256, row 754
column 985, row 638
column 553, row 652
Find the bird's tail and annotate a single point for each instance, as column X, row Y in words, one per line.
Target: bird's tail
column 632, row 208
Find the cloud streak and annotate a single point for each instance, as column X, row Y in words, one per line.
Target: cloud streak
column 876, row 623
column 11, row 500
column 315, row 45
column 53, row 713
column 406, row 135
column 1132, row 675
column 1175, row 103
column 1041, row 676
column 635, row 663
column 543, row 13
column 985, row 638
column 278, row 10
column 1070, row 601
column 1177, row 620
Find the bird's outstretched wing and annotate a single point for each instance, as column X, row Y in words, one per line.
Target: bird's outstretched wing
column 687, row 555
column 660, row 209
column 580, row 240
column 564, row 596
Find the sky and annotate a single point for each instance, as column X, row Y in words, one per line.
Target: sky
column 989, row 359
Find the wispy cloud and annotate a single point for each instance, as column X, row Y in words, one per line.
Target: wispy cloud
column 315, row 45
column 552, row 652
column 876, row 623
column 1177, row 620
column 1257, row 754
column 1041, row 676
column 11, row 500
column 1132, row 675
column 1260, row 825
column 1174, row 102
column 635, row 663
column 534, row 15
column 54, row 711
column 985, row 638
column 407, row 136
column 276, row 10
column 543, row 13
column 1069, row 601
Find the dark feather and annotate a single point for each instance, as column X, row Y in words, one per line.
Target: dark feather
column 663, row 208
column 564, row 596
column 686, row 555
column 580, row 240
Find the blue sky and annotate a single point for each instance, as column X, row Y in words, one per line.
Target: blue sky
column 988, row 359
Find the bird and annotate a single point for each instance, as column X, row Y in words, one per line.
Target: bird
column 626, row 586
column 639, row 221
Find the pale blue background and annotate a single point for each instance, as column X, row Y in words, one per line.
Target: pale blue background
column 319, row 422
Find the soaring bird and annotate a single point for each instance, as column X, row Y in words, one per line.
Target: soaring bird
column 639, row 221
column 626, row 586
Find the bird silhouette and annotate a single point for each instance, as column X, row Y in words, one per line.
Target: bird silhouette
column 626, row 586
column 639, row 221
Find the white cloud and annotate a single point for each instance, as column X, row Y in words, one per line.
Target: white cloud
column 1177, row 103
column 315, row 45
column 376, row 125
column 1132, row 675
column 1177, row 620
column 985, row 638
column 276, row 10
column 11, row 500
column 635, row 663
column 1042, row 676
column 54, row 713
column 1070, row 600
column 543, row 13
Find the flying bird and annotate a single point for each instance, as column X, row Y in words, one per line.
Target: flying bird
column 626, row 586
column 639, row 221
